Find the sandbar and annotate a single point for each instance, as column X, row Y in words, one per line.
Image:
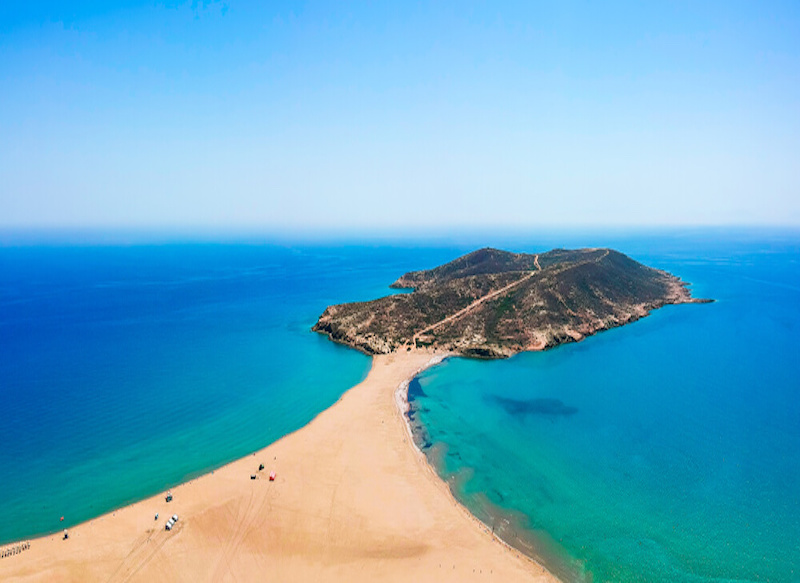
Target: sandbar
column 353, row 500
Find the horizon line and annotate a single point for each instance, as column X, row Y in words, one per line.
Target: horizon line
column 132, row 235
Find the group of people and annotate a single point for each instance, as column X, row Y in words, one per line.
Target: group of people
column 15, row 550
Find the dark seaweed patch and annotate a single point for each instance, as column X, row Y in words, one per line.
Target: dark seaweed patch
column 547, row 407
column 415, row 390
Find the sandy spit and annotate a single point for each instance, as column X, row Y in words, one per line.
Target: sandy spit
column 353, row 500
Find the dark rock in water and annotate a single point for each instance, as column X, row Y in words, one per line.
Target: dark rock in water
column 420, row 435
column 548, row 407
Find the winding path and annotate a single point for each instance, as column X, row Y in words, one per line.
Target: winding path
column 479, row 301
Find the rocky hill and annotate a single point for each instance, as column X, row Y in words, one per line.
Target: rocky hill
column 492, row 303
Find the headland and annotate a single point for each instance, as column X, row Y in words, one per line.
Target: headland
column 493, row 304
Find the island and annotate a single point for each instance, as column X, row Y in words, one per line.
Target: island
column 493, row 304
column 348, row 497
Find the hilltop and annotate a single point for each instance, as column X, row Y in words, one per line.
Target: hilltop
column 492, row 303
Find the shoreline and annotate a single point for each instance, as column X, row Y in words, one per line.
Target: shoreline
column 403, row 405
column 528, row 546
column 352, row 502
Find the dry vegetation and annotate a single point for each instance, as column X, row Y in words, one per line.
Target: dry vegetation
column 492, row 303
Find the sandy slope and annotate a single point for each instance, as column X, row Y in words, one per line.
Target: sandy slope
column 353, row 501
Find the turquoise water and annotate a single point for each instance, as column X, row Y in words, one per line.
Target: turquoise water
column 127, row 369
column 666, row 450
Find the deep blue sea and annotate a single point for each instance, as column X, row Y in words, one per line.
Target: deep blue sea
column 666, row 450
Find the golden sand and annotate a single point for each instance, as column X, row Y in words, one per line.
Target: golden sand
column 353, row 500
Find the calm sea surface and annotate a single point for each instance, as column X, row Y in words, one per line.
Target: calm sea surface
column 125, row 370
column 667, row 450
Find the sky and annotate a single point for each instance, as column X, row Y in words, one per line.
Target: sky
column 348, row 116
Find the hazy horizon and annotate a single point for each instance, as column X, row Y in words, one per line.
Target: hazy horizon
column 552, row 235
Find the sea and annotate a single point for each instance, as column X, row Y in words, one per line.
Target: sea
column 664, row 450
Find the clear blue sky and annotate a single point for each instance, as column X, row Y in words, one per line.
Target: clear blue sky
column 354, row 115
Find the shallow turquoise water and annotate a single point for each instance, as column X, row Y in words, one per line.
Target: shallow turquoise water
column 666, row 450
column 127, row 369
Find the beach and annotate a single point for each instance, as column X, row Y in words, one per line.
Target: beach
column 352, row 500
